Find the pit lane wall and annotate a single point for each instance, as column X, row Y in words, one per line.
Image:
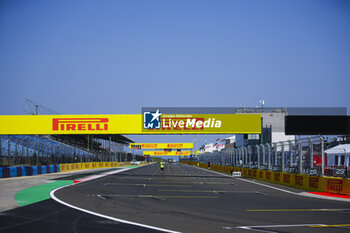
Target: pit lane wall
column 302, row 181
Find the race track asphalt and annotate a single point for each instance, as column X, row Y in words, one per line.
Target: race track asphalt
column 189, row 199
column 49, row 216
column 183, row 199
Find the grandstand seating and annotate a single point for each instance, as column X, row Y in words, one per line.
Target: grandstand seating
column 23, row 147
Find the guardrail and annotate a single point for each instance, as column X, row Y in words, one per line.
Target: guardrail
column 334, row 185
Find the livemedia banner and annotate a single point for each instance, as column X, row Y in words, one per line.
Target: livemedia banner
column 130, row 124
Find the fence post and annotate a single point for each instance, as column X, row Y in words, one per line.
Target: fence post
column 311, row 152
column 269, row 151
column 250, row 156
column 282, row 150
column 243, row 155
column 222, row 157
column 264, row 154
column 262, row 151
column 322, row 152
column 235, row 150
column 258, row 152
column 290, row 153
column 276, row 155
column 238, row 156
column 300, row 156
column 228, row 158
column 234, row 157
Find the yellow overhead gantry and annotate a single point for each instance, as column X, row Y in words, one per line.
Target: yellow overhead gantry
column 175, row 146
column 167, row 153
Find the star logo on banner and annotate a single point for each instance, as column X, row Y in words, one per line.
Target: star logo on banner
column 156, row 115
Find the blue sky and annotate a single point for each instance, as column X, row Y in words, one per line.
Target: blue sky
column 110, row 56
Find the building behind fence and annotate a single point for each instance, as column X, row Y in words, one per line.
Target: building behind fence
column 302, row 155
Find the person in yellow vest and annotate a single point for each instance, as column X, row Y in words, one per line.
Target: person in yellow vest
column 161, row 167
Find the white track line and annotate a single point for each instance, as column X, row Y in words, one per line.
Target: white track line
column 289, row 225
column 269, row 186
column 258, row 228
column 102, row 175
column 304, row 194
column 208, row 170
column 52, row 194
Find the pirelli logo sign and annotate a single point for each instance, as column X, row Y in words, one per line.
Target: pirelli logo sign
column 129, row 124
column 167, row 153
column 80, row 124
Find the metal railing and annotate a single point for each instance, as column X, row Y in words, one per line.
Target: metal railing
column 302, row 155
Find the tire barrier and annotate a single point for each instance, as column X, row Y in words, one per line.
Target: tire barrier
column 335, row 185
column 6, row 172
column 9, row 172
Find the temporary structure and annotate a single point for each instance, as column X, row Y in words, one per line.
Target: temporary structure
column 338, row 155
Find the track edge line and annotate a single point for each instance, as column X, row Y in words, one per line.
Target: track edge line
column 52, row 195
column 303, row 194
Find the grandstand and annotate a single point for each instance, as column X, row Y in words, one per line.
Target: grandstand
column 46, row 150
column 55, row 149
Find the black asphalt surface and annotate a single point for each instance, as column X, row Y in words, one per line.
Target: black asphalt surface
column 49, row 216
column 189, row 199
column 185, row 199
